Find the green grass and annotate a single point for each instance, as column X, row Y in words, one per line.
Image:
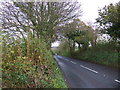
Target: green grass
column 58, row 78
column 100, row 57
column 102, row 53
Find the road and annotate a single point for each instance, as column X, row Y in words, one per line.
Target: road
column 81, row 74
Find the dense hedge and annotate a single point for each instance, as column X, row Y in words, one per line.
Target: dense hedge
column 105, row 53
column 28, row 64
column 102, row 53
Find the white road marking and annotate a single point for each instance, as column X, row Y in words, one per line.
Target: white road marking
column 89, row 69
column 66, row 59
column 72, row 62
column 117, row 80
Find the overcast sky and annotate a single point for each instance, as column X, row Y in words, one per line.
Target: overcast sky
column 90, row 8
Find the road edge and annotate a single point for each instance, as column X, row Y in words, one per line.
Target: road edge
column 61, row 72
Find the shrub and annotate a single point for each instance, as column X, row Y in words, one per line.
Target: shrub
column 28, row 64
column 103, row 53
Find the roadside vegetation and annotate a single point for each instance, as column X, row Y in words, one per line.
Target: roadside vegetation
column 103, row 53
column 83, row 42
column 28, row 64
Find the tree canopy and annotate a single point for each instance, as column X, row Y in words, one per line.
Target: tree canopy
column 78, row 32
column 109, row 20
column 38, row 18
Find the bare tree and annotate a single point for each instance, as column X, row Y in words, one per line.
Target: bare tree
column 39, row 18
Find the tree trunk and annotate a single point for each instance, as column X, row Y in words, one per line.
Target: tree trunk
column 73, row 47
column 79, row 46
column 28, row 45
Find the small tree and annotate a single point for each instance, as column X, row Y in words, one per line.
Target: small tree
column 78, row 32
column 109, row 20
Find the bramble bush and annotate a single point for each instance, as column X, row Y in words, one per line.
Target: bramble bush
column 28, row 64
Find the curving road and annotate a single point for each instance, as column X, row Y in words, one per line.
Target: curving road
column 80, row 74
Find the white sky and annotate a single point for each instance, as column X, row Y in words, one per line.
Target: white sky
column 90, row 8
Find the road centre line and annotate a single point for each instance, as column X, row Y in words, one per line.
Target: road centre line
column 66, row 59
column 117, row 80
column 72, row 62
column 88, row 69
